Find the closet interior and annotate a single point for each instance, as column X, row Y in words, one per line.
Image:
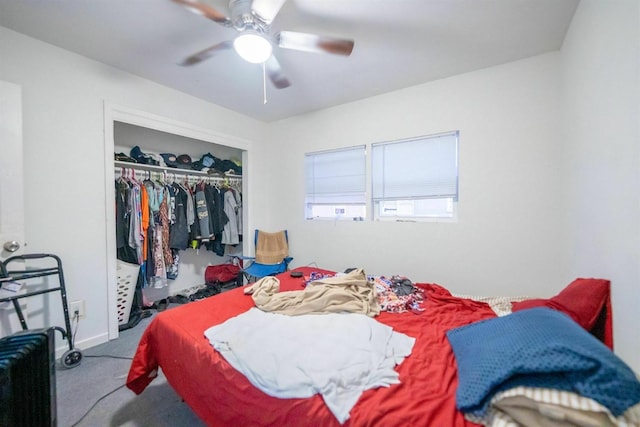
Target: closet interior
column 194, row 217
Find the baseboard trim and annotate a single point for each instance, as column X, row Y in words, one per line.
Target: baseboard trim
column 62, row 346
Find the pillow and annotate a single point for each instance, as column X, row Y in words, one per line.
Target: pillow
column 540, row 348
column 582, row 300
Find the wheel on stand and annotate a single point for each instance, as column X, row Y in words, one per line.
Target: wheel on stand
column 71, row 358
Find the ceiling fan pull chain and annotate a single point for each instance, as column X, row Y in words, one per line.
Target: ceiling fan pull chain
column 264, row 82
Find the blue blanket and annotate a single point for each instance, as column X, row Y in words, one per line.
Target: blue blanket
column 538, row 347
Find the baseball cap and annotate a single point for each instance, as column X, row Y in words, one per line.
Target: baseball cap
column 170, row 159
column 183, row 161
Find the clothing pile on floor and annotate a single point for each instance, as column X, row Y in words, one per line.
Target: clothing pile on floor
column 194, row 293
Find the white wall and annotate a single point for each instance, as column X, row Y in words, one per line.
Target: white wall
column 508, row 237
column 64, row 157
column 600, row 56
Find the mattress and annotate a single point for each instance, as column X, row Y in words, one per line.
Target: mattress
column 425, row 395
column 221, row 396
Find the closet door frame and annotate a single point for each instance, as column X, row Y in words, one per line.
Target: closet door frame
column 117, row 113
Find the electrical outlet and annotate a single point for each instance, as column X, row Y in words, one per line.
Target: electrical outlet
column 76, row 307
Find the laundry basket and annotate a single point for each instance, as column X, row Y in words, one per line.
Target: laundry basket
column 127, row 279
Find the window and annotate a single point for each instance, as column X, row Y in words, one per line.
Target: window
column 415, row 178
column 335, row 184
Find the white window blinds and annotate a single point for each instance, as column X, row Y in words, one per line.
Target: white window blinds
column 336, row 177
column 417, row 168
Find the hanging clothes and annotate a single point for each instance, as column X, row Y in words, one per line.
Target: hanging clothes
column 155, row 220
column 215, row 201
column 159, row 278
column 230, row 231
column 202, row 211
column 165, row 223
column 123, row 212
column 135, row 220
column 238, row 194
column 179, row 233
column 144, row 221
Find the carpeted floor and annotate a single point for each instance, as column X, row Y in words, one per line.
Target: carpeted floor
column 85, row 394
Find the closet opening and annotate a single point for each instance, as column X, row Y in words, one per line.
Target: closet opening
column 154, row 139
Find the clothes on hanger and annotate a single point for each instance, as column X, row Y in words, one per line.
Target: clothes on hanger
column 156, row 219
column 230, row 235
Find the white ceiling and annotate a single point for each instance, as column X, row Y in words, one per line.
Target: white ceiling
column 398, row 43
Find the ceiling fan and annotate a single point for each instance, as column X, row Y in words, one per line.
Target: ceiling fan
column 252, row 19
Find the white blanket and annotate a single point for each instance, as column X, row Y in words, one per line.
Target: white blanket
column 338, row 355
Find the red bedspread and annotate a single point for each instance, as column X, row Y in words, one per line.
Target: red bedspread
column 221, row 396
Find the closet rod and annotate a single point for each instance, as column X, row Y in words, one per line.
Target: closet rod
column 173, row 171
column 170, row 176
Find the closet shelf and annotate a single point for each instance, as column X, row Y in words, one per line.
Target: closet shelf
column 176, row 171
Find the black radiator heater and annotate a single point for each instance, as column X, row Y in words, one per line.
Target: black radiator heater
column 27, row 379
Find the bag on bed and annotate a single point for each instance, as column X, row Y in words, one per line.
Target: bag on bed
column 221, row 273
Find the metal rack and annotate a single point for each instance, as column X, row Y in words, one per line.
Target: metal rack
column 72, row 357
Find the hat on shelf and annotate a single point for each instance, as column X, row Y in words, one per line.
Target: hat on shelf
column 157, row 157
column 237, row 169
column 206, row 162
column 227, row 166
column 184, row 161
column 143, row 158
column 197, row 166
column 121, row 157
column 170, row 160
column 209, row 160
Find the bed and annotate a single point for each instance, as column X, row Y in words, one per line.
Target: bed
column 428, row 378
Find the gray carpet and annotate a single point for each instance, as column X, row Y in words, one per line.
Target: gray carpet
column 79, row 388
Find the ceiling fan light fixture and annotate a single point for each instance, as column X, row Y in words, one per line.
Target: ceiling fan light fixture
column 252, row 48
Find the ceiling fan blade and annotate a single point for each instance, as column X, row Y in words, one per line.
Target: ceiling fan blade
column 267, row 9
column 205, row 10
column 275, row 73
column 206, row 53
column 313, row 43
